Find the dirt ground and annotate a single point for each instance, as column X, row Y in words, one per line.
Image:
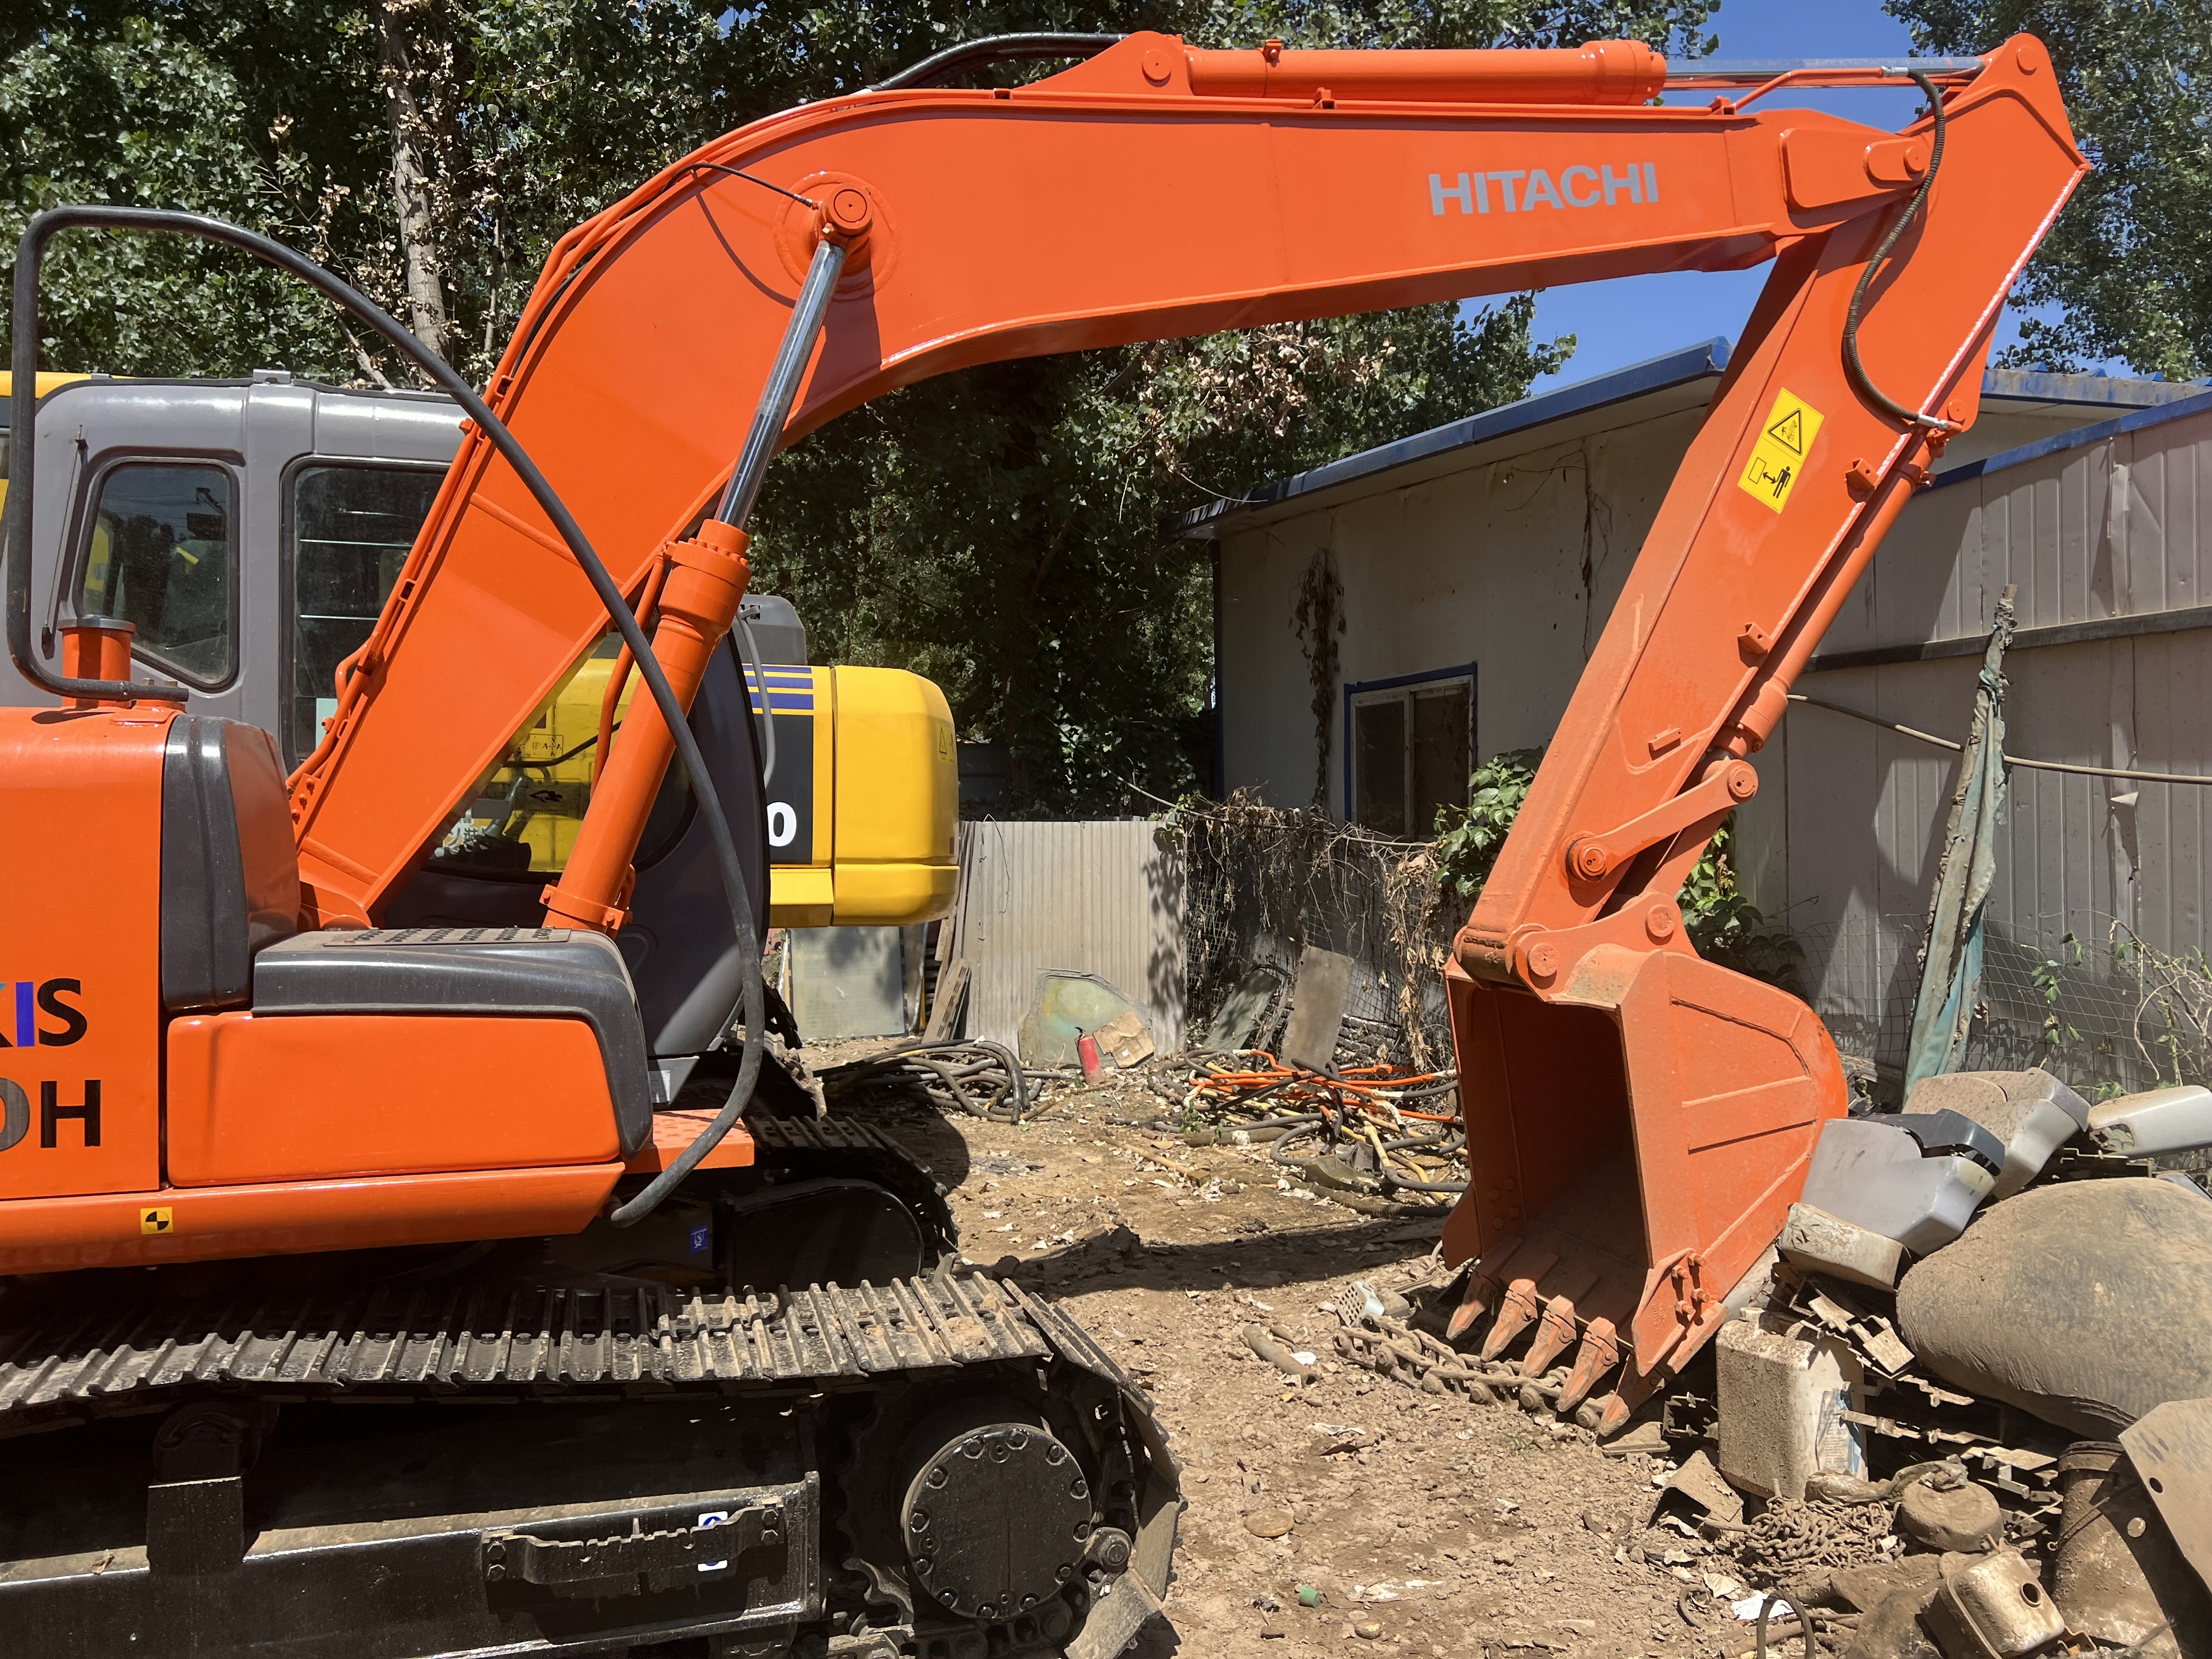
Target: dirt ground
column 1426, row 1526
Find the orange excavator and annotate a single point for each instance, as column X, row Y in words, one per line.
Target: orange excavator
column 264, row 1159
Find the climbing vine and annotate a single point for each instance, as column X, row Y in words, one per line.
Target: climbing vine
column 1318, row 621
column 1724, row 924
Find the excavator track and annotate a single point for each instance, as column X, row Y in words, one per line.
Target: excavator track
column 432, row 1342
column 210, row 1494
column 841, row 1148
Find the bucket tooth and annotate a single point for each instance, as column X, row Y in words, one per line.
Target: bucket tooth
column 1599, row 1354
column 1474, row 1302
column 1572, row 1283
column 1613, row 1415
column 1515, row 1313
column 1555, row 1334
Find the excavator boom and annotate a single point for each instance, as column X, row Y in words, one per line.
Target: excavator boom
column 1148, row 192
column 252, row 1092
column 1154, row 191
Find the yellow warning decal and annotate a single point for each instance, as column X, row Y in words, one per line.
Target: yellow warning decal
column 1778, row 457
column 154, row 1221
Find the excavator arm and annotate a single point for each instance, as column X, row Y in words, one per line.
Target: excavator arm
column 1157, row 190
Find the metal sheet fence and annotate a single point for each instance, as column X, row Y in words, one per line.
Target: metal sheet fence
column 1103, row 896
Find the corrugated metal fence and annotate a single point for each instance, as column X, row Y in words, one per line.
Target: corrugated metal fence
column 2107, row 535
column 1098, row 897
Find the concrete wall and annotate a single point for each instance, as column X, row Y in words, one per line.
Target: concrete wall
column 1511, row 563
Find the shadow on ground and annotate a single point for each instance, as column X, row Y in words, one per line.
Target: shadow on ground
column 1255, row 1260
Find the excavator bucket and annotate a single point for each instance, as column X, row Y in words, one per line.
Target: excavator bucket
column 1635, row 1140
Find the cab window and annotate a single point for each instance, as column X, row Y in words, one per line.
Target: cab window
column 162, row 557
column 351, row 527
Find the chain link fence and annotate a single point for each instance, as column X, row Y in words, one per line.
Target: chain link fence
column 2090, row 1003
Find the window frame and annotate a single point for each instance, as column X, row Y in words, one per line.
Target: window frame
column 1405, row 686
column 288, row 562
column 88, row 522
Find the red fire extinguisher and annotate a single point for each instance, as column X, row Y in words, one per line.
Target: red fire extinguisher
column 1086, row 1050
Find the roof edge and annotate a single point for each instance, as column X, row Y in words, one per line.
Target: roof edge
column 1706, row 358
column 2135, row 421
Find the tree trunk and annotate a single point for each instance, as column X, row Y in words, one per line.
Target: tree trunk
column 411, row 182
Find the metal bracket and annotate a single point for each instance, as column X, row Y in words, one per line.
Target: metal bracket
column 1592, row 858
column 563, row 1564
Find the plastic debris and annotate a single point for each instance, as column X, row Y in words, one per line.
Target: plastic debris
column 1783, row 1389
column 2030, row 1112
column 1917, row 1180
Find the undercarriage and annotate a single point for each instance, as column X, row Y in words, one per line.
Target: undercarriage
column 937, row 1466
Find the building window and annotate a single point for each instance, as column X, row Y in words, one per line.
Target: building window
column 159, row 558
column 1410, row 748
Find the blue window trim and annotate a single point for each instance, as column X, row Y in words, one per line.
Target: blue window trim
column 1397, row 682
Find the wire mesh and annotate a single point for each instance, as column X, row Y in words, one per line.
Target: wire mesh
column 2080, row 995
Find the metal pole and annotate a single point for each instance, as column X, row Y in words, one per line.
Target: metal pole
column 782, row 388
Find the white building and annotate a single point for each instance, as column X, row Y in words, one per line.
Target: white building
column 1476, row 564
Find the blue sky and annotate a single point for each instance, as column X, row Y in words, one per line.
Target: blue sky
column 1633, row 318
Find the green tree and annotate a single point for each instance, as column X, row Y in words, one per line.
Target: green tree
column 2129, row 261
column 998, row 530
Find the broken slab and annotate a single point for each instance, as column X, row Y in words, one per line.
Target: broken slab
column 1318, row 996
column 1238, row 1022
column 1699, row 1486
column 1824, row 1244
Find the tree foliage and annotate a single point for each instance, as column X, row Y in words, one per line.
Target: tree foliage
column 2129, row 261
column 997, row 530
column 1723, row 924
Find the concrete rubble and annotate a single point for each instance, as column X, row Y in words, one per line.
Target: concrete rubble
column 1963, row 1410
column 1969, row 1414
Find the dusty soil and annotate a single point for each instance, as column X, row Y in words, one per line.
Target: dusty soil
column 1456, row 1528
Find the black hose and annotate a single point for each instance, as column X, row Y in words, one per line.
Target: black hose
column 940, row 67
column 1859, row 378
column 28, row 254
column 764, row 721
column 996, row 1057
column 1765, row 1607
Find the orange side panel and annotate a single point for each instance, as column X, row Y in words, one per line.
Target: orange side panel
column 674, row 1131
column 207, row 1223
column 316, row 1096
column 80, row 950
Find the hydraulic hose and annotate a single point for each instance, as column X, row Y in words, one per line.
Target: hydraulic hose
column 1873, row 393
column 956, row 61
column 764, row 721
column 28, row 254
